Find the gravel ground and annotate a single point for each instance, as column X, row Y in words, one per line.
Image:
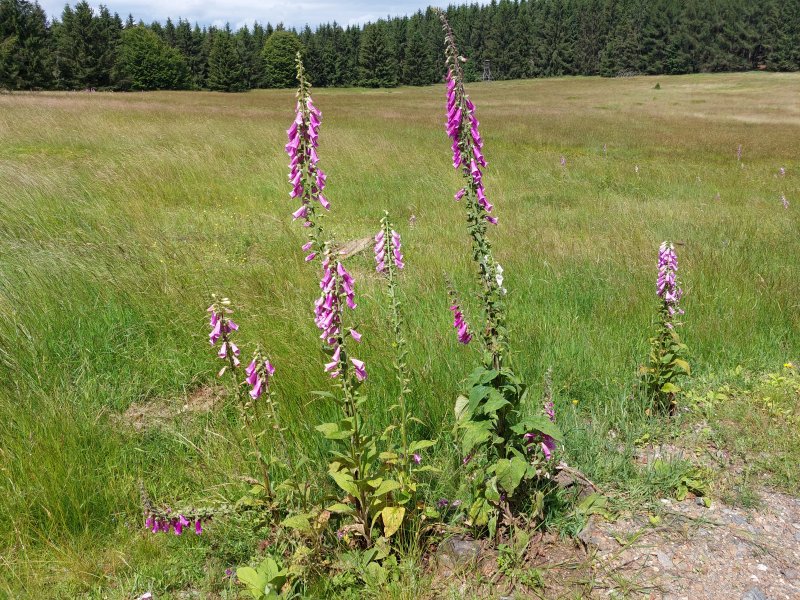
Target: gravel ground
column 704, row 553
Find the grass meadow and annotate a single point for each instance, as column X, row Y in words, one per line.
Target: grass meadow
column 122, row 213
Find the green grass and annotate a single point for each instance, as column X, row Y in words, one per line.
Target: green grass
column 122, row 213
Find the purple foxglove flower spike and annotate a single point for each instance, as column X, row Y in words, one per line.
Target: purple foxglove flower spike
column 462, row 127
column 337, row 289
column 305, row 176
column 667, row 285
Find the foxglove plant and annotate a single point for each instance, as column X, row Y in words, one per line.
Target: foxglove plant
column 222, row 327
column 357, row 469
column 389, row 262
column 492, row 417
column 307, row 179
column 357, row 466
column 667, row 353
column 468, row 159
column 258, row 373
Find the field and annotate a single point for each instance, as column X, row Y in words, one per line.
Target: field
column 122, row 213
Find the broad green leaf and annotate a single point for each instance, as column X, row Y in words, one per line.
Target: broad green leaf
column 670, row 388
column 298, row 522
column 475, row 434
column 255, row 581
column 339, row 508
column 495, row 402
column 491, row 490
column 509, row 473
column 392, row 519
column 461, row 404
column 421, row 445
column 345, row 481
column 385, row 487
column 538, row 423
column 331, row 431
column 682, row 364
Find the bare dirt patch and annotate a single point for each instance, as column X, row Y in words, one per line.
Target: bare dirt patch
column 158, row 413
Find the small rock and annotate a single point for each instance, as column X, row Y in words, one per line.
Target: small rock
column 458, row 553
column 791, row 574
column 762, row 567
column 664, row 559
column 755, row 594
column 739, row 520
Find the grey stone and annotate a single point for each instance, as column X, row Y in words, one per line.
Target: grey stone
column 739, row 520
column 791, row 574
column 664, row 559
column 755, row 594
column 456, row 553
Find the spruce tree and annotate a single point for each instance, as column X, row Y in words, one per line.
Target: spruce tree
column 25, row 60
column 225, row 68
column 418, row 67
column 376, row 61
column 279, row 54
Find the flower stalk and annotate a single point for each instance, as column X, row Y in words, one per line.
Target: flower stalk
column 305, row 175
column 468, row 159
column 389, row 262
column 667, row 353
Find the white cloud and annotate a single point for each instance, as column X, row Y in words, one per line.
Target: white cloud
column 240, row 12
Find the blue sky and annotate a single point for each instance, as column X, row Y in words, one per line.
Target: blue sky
column 241, row 12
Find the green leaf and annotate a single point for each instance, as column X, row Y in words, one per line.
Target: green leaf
column 299, row 523
column 385, row 487
column 340, row 509
column 495, row 402
column 509, row 473
column 683, row 365
column 392, row 519
column 345, row 481
column 670, row 388
column 491, row 492
column 331, row 431
column 461, row 404
column 475, row 434
column 255, row 581
column 538, row 423
column 421, row 445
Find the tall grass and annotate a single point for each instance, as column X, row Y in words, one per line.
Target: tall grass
column 122, row 213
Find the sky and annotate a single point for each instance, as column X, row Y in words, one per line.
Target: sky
column 245, row 12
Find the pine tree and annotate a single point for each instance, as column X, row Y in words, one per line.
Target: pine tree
column 279, row 54
column 225, row 68
column 376, row 62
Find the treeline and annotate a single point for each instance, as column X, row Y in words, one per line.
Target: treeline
column 523, row 38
